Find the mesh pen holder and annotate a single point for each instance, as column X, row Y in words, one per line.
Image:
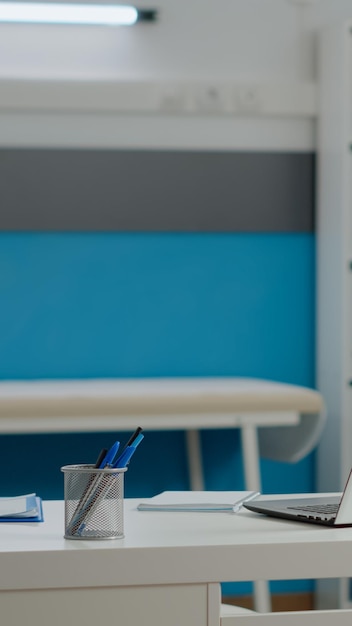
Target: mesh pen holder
column 93, row 502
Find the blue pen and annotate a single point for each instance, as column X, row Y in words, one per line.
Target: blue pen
column 126, row 454
column 137, row 440
column 121, row 462
column 125, row 457
column 110, row 455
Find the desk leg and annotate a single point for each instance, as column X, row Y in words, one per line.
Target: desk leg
column 194, row 455
column 251, row 460
column 250, row 451
column 262, row 600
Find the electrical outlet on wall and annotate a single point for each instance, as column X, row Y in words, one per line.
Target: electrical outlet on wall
column 210, row 98
column 248, row 99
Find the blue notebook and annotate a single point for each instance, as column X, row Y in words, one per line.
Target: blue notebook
column 26, row 508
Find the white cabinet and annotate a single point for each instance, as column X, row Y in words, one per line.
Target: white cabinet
column 334, row 259
column 169, row 605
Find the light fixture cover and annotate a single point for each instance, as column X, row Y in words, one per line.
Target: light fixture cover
column 68, row 13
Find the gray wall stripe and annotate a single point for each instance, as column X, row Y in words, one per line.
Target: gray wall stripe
column 130, row 190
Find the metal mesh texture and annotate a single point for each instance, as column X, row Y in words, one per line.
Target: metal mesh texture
column 93, row 502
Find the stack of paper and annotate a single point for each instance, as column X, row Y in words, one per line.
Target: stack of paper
column 27, row 508
column 197, row 501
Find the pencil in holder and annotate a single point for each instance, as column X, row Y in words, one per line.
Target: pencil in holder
column 93, row 502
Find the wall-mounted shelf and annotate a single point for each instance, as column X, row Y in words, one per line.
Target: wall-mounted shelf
column 168, row 97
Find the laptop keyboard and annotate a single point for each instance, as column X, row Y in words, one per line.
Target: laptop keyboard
column 327, row 509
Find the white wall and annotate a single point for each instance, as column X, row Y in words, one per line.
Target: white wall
column 246, row 39
column 250, row 40
column 238, row 42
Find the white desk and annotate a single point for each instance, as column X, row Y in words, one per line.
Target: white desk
column 277, row 421
column 165, row 571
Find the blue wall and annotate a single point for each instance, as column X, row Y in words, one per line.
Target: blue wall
column 141, row 305
column 93, row 305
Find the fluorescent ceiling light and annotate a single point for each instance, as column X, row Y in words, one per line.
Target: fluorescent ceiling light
column 55, row 13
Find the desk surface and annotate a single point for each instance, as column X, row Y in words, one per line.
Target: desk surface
column 290, row 418
column 169, row 547
column 153, row 396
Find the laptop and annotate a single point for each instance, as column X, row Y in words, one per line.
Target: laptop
column 326, row 510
